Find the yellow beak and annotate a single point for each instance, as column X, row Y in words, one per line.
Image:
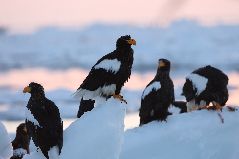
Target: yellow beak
column 161, row 64
column 131, row 42
column 27, row 90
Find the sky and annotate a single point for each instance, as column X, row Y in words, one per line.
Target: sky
column 29, row 15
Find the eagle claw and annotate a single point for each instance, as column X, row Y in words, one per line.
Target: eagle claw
column 120, row 97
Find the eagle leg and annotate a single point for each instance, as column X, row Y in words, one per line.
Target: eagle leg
column 203, row 107
column 119, row 97
column 220, row 116
column 214, row 106
column 218, row 107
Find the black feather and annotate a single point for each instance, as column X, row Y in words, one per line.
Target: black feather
column 22, row 141
column 154, row 106
column 99, row 77
column 50, row 132
column 216, row 88
column 85, row 106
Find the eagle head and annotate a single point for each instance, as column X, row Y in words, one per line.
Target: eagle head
column 34, row 89
column 163, row 65
column 125, row 41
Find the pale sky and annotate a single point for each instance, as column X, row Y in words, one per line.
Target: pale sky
column 28, row 15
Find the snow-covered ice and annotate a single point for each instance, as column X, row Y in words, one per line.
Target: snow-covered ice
column 96, row 135
column 198, row 135
column 185, row 43
column 5, row 143
column 194, row 135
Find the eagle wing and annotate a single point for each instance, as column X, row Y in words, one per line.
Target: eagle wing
column 99, row 75
column 55, row 126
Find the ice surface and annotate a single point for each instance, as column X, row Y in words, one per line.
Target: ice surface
column 96, row 135
column 197, row 135
column 185, row 43
column 5, row 143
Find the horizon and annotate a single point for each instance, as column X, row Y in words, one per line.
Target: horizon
column 18, row 18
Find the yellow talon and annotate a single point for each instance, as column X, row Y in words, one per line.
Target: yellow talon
column 217, row 106
column 119, row 97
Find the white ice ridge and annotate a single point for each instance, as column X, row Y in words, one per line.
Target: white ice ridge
column 5, row 143
column 109, row 65
column 30, row 117
column 199, row 82
column 153, row 86
column 199, row 133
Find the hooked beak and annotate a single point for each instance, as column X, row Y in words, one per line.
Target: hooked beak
column 131, row 42
column 27, row 89
column 161, row 64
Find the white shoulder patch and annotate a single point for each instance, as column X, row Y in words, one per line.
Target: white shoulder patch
column 87, row 94
column 153, row 86
column 30, row 117
column 199, row 82
column 109, row 65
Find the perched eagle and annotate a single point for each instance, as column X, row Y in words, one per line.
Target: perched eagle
column 158, row 95
column 21, row 142
column 109, row 74
column 204, row 86
column 43, row 122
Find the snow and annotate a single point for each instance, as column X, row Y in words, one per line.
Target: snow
column 5, row 143
column 96, row 135
column 109, row 65
column 199, row 82
column 197, row 135
column 35, row 155
column 30, row 117
column 154, row 86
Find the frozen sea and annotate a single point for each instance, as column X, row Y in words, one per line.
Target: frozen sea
column 60, row 58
